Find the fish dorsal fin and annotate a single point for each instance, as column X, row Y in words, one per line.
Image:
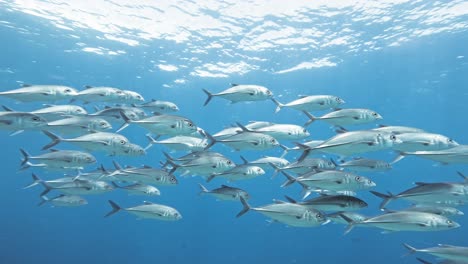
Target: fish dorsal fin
column 244, row 129
column 116, row 165
column 225, row 186
column 244, row 160
column 26, row 85
column 465, row 178
column 54, row 150
column 291, row 200
column 88, row 86
column 234, row 84
column 421, row 183
column 445, row 245
column 147, row 202
column 107, row 107
column 147, row 167
column 381, row 125
column 153, row 100
column 6, row 108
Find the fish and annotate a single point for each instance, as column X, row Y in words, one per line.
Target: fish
column 406, row 221
column 311, row 103
column 64, row 200
column 445, row 261
column 113, row 114
column 355, row 217
column 172, row 125
column 17, row 122
column 181, row 143
column 330, row 180
column 132, row 97
column 139, row 189
column 54, row 112
column 225, row 193
column 40, row 93
column 411, row 142
column 288, row 213
column 241, row 93
column 343, row 117
column 148, row 210
column 130, row 150
column 283, row 131
column 99, row 141
column 58, row 159
column 78, row 125
column 354, row 142
column 398, row 129
column 307, row 165
column 364, row 164
column 265, row 161
column 100, row 94
column 339, row 203
column 77, row 187
column 204, row 165
column 455, row 155
column 435, row 209
column 448, row 252
column 145, row 174
column 436, row 193
column 162, row 107
column 52, row 183
column 239, row 172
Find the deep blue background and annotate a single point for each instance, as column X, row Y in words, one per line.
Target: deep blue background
column 420, row 84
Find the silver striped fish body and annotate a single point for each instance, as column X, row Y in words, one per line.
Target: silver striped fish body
column 292, row 214
column 206, row 166
column 351, row 116
column 132, row 97
column 146, row 175
column 141, row 189
column 41, row 93
column 435, row 209
column 66, row 200
column 226, row 193
column 167, row 125
column 355, row 217
column 410, row 221
column 227, row 132
column 364, row 164
column 264, row 162
column 162, row 107
column 101, row 94
column 78, row 125
column 241, row 172
column 100, row 141
column 439, row 193
column 130, row 150
column 410, row 142
column 284, row 131
column 449, row 252
column 240, row 93
column 336, row 203
column 15, row 121
column 67, row 159
column 114, row 114
column 250, row 141
column 155, row 211
column 336, row 181
column 398, row 129
column 455, row 155
column 308, row 164
column 55, row 112
column 184, row 143
column 83, row 187
column 357, row 142
column 312, row 103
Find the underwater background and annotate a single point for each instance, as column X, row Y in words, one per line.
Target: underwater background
column 407, row 60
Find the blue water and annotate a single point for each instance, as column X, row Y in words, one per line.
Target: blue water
column 420, row 83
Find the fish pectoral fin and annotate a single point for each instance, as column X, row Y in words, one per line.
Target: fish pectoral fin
column 423, row 225
column 356, row 117
column 6, row 122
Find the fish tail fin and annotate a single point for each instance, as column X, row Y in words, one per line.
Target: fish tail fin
column 115, row 208
column 26, row 156
column 210, row 96
column 46, row 186
column 203, row 189
column 290, row 179
column 152, row 141
column 277, row 169
column 278, row 105
column 386, row 198
column 210, row 138
column 401, row 155
column 44, row 199
column 410, row 248
column 210, row 178
column 127, row 122
column 306, row 190
column 36, row 181
column 115, row 185
column 350, row 221
column 245, row 209
column 116, row 165
column 311, row 118
column 423, row 261
column 173, row 164
column 55, row 139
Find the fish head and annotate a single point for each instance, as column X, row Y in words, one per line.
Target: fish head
column 82, row 201
column 101, row 124
column 78, row 110
column 31, row 120
column 338, row 100
column 244, row 195
column 358, row 203
column 133, row 150
column 117, row 94
column 133, row 97
column 271, row 141
column 174, row 215
column 266, row 92
column 189, row 125
column 171, row 180
column 450, row 143
column 364, row 182
column 319, row 217
column 257, row 170
column 442, row 222
column 153, row 191
column 87, row 158
column 374, row 115
column 65, row 91
column 327, row 165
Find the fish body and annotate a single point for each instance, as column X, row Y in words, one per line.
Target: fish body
column 19, row 121
column 311, row 103
column 132, row 97
column 455, row 155
column 162, row 107
column 225, row 193
column 41, row 93
column 410, row 142
column 351, row 116
column 182, row 143
column 149, row 210
column 250, row 141
column 139, row 189
column 448, row 252
column 101, row 94
column 79, row 125
column 64, row 200
column 55, row 112
column 283, row 131
column 58, row 159
column 364, row 164
column 171, row 125
column 240, row 172
column 241, row 93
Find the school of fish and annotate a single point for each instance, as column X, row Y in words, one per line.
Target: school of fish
column 336, row 180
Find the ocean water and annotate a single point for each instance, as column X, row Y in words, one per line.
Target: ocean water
column 407, row 60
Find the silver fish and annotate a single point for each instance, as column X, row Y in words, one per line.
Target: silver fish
column 455, row 155
column 163, row 124
column 449, row 252
column 58, row 159
column 139, row 189
column 54, row 112
column 184, row 143
column 410, row 142
column 264, row 162
column 435, row 209
column 225, row 193
column 247, row 140
column 132, row 97
column 64, row 200
column 148, row 210
column 283, row 131
column 20, row 121
column 343, row 117
column 114, row 114
column 145, row 174
column 364, row 164
column 332, row 203
column 288, row 213
column 40, row 93
column 406, row 221
column 51, row 183
column 162, row 107
column 99, row 141
column 311, row 103
column 79, row 125
column 100, row 94
column 355, row 217
column 203, row 165
column 239, row 172
column 78, row 187
column 307, row 165
column 130, row 149
column 398, row 129
column 240, row 93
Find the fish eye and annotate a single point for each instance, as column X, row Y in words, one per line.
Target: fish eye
column 35, row 118
column 102, row 124
column 338, row 99
column 374, row 114
column 450, row 140
column 67, row 90
column 393, row 137
column 449, row 222
column 329, row 163
column 122, row 142
column 158, row 178
column 273, row 140
column 358, row 178
column 289, row 133
column 139, row 97
column 174, row 107
column 318, row 215
column 229, row 162
column 173, row 180
column 304, row 130
column 259, row 170
column 369, row 182
column 190, row 124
